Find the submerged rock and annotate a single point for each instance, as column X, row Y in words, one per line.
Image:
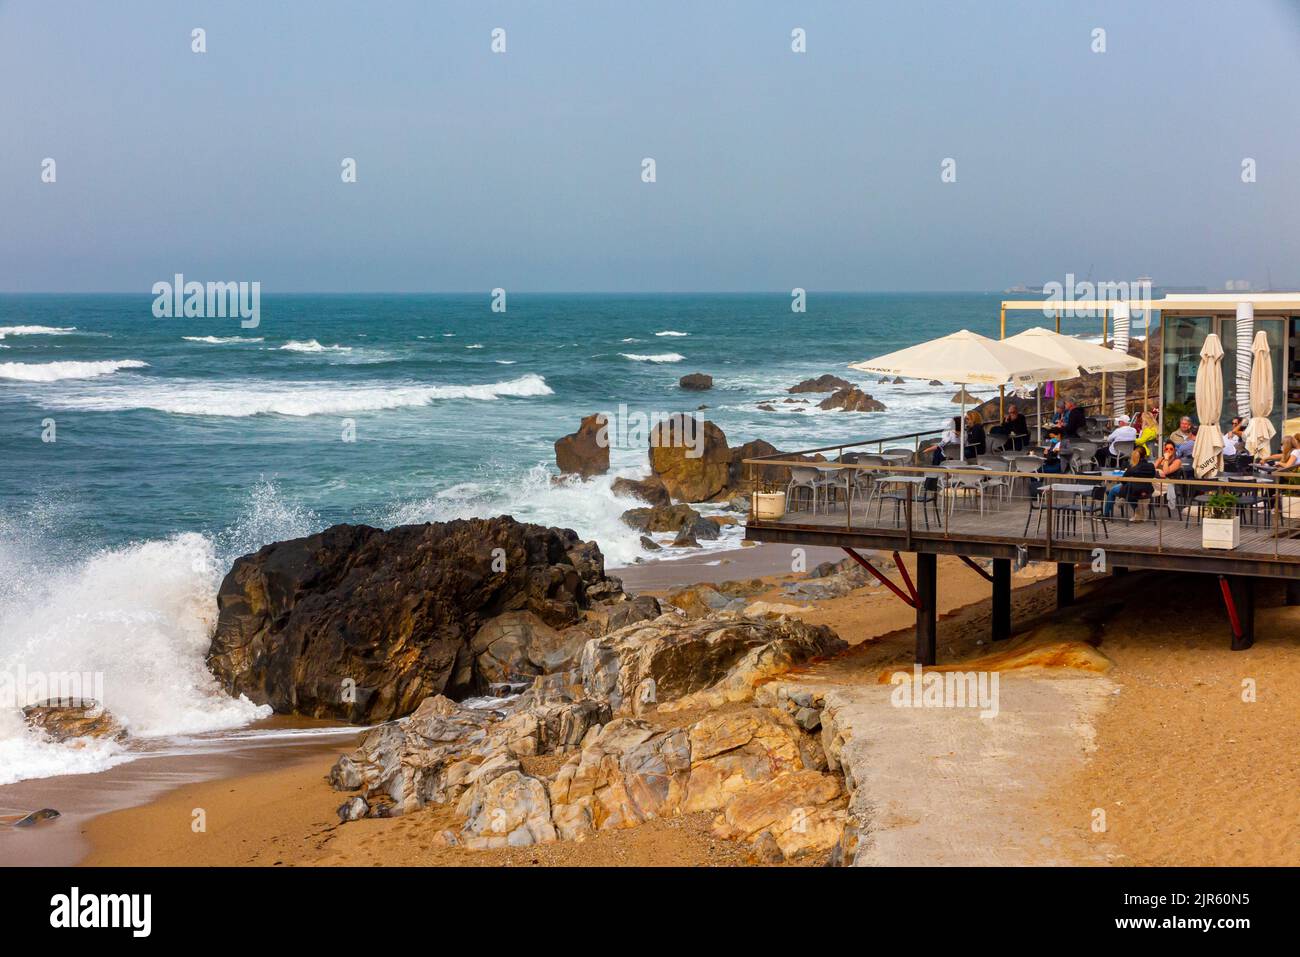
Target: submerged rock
column 651, row 490
column 823, row 383
column 71, row 719
column 661, row 518
column 852, row 399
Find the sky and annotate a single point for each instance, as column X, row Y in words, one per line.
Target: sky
column 523, row 169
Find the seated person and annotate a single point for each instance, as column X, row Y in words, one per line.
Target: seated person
column 1015, row 427
column 1289, row 457
column 1124, row 432
column 951, row 436
column 976, row 443
column 1145, row 423
column 1073, row 422
column 1139, row 467
column 1169, row 466
column 1235, row 456
column 1184, row 433
column 1052, row 465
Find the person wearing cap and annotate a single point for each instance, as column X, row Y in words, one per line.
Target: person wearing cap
column 1124, row 432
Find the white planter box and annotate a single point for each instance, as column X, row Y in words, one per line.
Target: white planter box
column 1222, row 533
column 769, row 505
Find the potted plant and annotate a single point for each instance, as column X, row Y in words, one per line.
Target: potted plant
column 769, row 505
column 1220, row 527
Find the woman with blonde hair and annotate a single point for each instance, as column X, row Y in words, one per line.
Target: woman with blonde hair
column 1289, row 457
column 1147, row 430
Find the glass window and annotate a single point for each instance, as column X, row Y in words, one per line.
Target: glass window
column 1182, row 338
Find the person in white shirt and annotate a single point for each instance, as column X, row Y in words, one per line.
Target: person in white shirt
column 1124, row 432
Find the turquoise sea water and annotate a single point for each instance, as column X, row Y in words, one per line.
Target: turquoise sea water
column 182, row 443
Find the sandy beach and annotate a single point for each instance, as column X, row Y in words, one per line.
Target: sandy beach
column 1185, row 771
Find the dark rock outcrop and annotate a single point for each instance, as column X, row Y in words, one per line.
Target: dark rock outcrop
column 696, row 382
column 651, row 490
column 661, row 518
column 363, row 624
column 585, row 452
column 852, row 399
column 824, row 383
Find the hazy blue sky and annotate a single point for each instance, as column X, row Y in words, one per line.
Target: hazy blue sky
column 522, row 170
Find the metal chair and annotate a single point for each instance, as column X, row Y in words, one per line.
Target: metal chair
column 926, row 495
column 1122, row 450
column 802, row 479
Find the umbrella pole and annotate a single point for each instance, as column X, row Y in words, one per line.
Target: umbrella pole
column 963, row 422
column 1038, row 394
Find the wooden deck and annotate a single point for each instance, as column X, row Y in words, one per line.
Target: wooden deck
column 1160, row 542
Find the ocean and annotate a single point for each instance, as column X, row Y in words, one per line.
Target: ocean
column 142, row 455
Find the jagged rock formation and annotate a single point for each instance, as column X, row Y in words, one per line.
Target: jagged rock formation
column 363, row 624
column 759, row 767
column 586, row 451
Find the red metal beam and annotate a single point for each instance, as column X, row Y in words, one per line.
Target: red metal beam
column 909, row 600
column 1232, row 606
column 987, row 576
column 902, row 570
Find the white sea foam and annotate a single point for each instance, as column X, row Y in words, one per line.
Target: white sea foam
column 477, row 345
column 141, row 615
column 220, row 340
column 590, row 508
column 55, row 371
column 671, row 332
column 36, row 330
column 504, row 362
column 661, row 357
column 245, row 398
column 311, row 345
column 633, row 339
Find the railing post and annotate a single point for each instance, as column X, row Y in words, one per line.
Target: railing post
column 910, row 487
column 1051, row 519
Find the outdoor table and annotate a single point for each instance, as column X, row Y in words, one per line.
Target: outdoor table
column 915, row 480
column 897, row 458
column 1076, row 491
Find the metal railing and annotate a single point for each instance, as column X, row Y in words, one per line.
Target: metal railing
column 987, row 503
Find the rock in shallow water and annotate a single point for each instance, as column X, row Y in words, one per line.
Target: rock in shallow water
column 63, row 721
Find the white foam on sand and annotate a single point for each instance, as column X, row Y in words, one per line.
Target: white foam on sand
column 661, row 357
column 56, row 371
column 240, row 399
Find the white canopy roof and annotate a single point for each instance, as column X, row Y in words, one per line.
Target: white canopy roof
column 967, row 357
column 1067, row 350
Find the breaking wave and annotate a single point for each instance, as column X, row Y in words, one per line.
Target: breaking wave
column 660, row 357
column 54, row 371
column 239, row 399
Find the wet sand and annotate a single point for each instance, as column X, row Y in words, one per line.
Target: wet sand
column 81, row 798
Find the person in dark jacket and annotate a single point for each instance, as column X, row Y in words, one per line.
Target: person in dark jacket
column 1074, row 422
column 1015, row 427
column 1140, row 467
